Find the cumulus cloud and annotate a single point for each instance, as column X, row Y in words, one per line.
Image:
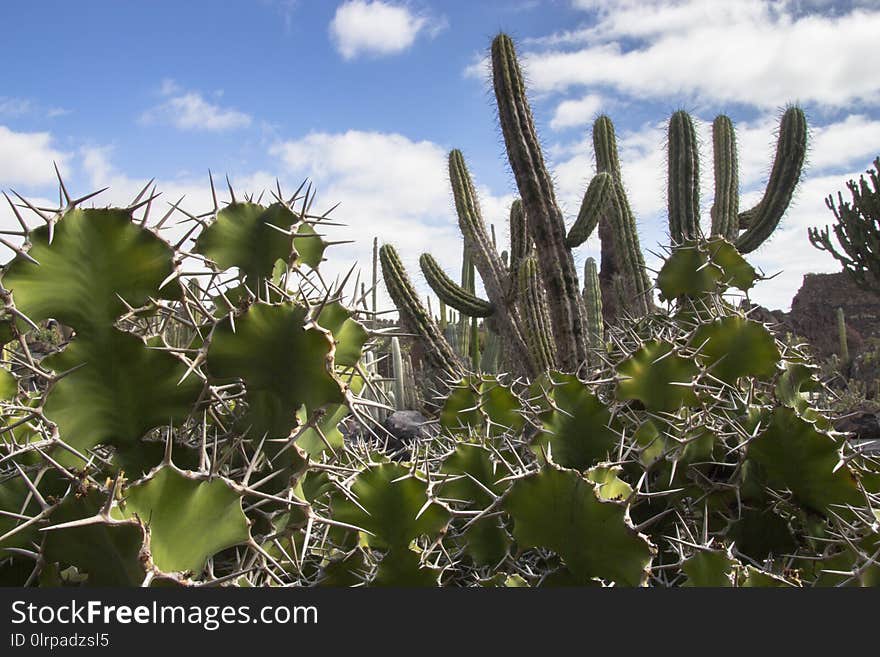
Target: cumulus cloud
column 27, row 158
column 374, row 27
column 571, row 113
column 746, row 51
column 391, row 187
column 189, row 110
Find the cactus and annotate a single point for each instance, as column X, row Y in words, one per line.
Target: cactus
column 536, row 315
column 841, row 335
column 545, row 220
column 857, row 230
column 683, row 195
column 450, row 293
column 791, row 148
column 414, row 316
column 593, row 304
column 725, row 208
column 624, row 281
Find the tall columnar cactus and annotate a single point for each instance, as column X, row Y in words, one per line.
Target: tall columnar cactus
column 725, row 208
column 535, row 313
column 593, row 304
column 626, row 288
column 841, row 335
column 415, row 317
column 501, row 308
column 857, row 230
column 683, row 192
column 545, row 219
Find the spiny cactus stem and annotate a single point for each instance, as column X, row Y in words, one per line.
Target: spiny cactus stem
column 539, row 202
column 683, row 192
column 450, row 293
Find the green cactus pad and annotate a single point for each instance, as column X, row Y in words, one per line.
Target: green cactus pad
column 478, row 403
column 97, row 259
column 561, row 511
column 309, row 246
column 401, row 567
column 610, row 486
column 661, row 380
column 709, row 568
column 576, row 426
column 108, row 551
column 392, row 505
column 473, row 473
column 283, row 363
column 697, row 268
column 190, row 518
column 8, row 384
column 798, row 457
column 242, row 237
column 121, row 390
column 735, row 347
column 348, row 333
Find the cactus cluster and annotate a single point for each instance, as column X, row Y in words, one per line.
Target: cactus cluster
column 537, row 227
column 241, row 448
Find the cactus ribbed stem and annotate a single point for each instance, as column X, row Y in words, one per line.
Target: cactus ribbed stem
column 725, row 208
column 398, row 372
column 632, row 278
column 791, row 149
column 593, row 205
column 546, row 223
column 622, row 263
column 520, row 240
column 413, row 315
column 683, row 192
column 593, row 304
column 487, row 261
column 536, row 315
column 450, row 293
column 841, row 334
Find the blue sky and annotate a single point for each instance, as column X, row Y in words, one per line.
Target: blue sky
column 366, row 97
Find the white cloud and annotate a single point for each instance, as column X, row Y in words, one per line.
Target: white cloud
column 188, row 110
column 27, row 158
column 13, row 107
column 570, row 113
column 391, row 187
column 374, row 27
column 747, row 51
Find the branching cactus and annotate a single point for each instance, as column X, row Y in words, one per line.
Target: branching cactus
column 750, row 228
column 593, row 305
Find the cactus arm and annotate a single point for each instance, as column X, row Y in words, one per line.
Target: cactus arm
column 683, row 193
column 595, row 201
column 413, row 315
column 539, row 202
column 791, row 149
column 537, row 318
column 725, row 208
column 450, row 293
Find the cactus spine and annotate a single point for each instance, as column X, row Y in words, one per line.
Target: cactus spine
column 414, row 317
column 539, row 202
column 593, row 304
